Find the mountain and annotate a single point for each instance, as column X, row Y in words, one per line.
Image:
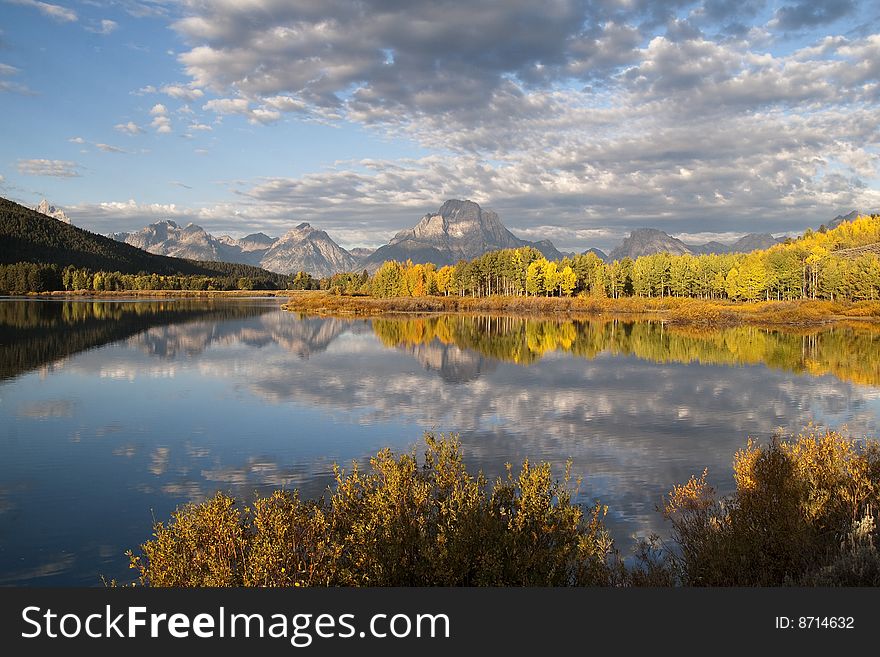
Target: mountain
column 253, row 242
column 745, row 244
column 191, row 241
column 458, row 230
column 839, row 219
column 598, row 253
column 307, row 249
column 30, row 236
column 645, row 241
column 753, row 242
column 51, row 211
column 303, row 248
column 709, row 247
column 361, row 253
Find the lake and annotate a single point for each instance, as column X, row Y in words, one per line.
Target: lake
column 116, row 412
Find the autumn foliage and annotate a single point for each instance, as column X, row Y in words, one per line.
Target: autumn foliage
column 837, row 264
column 802, row 514
column 401, row 523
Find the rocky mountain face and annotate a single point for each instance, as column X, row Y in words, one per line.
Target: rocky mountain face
column 361, row 253
column 646, row 241
column 254, row 242
column 839, row 219
column 303, row 248
column 49, row 210
column 307, row 249
column 190, row 241
column 752, row 242
column 458, row 230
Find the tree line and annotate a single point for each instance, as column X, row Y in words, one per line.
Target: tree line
column 814, row 266
column 25, row 277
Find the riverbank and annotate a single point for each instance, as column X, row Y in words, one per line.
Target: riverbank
column 802, row 313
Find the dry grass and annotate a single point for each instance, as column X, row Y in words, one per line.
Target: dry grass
column 674, row 310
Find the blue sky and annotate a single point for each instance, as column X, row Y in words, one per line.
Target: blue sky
column 576, row 121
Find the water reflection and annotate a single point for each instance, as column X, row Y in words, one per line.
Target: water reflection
column 849, row 352
column 170, row 402
column 38, row 333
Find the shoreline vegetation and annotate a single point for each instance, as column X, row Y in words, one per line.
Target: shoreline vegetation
column 797, row 313
column 673, row 310
column 183, row 294
column 802, row 514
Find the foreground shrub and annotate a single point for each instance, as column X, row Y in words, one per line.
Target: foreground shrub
column 400, row 523
column 801, row 514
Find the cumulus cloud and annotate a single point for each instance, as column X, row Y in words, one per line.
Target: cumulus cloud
column 52, row 168
column 424, row 55
column 112, row 216
column 240, row 106
column 265, row 116
column 575, row 120
column 77, row 140
column 227, row 106
column 55, row 12
column 130, row 128
column 181, row 92
column 161, row 123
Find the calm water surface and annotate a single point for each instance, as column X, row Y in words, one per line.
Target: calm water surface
column 112, row 413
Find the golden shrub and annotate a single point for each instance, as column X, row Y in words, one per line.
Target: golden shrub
column 400, row 523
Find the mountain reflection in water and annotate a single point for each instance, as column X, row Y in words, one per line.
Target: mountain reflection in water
column 156, row 403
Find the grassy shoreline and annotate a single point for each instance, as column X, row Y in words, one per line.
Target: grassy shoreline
column 674, row 310
column 89, row 294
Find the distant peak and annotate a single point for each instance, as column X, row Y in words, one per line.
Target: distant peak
column 648, row 231
column 456, row 206
column 304, row 225
column 46, row 208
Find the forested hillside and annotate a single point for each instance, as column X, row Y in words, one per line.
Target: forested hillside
column 27, row 236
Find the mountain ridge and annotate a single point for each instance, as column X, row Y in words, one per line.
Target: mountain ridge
column 648, row 241
column 30, row 236
column 459, row 230
column 302, row 248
